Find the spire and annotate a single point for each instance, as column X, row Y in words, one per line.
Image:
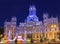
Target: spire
column 45, row 16
column 32, row 10
column 14, row 19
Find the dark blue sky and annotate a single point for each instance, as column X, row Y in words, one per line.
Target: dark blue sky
column 19, row 8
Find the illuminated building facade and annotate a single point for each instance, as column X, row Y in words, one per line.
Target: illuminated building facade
column 10, row 28
column 51, row 27
column 32, row 26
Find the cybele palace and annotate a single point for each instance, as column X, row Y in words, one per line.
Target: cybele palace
column 47, row 28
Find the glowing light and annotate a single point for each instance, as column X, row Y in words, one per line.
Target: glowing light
column 53, row 25
column 31, row 16
column 31, row 8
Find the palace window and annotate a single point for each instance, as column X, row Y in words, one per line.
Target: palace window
column 46, row 29
column 37, row 36
column 46, row 35
column 50, row 29
column 55, row 29
column 40, row 36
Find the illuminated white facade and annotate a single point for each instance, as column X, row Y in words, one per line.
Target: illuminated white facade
column 33, row 26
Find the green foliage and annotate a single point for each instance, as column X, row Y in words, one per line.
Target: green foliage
column 1, row 30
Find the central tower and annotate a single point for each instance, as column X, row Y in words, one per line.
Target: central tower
column 32, row 10
column 32, row 14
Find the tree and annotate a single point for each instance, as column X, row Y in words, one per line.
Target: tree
column 1, row 30
column 1, row 33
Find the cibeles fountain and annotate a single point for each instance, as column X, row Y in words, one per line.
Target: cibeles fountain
column 17, row 36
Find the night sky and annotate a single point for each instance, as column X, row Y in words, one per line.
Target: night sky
column 20, row 9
